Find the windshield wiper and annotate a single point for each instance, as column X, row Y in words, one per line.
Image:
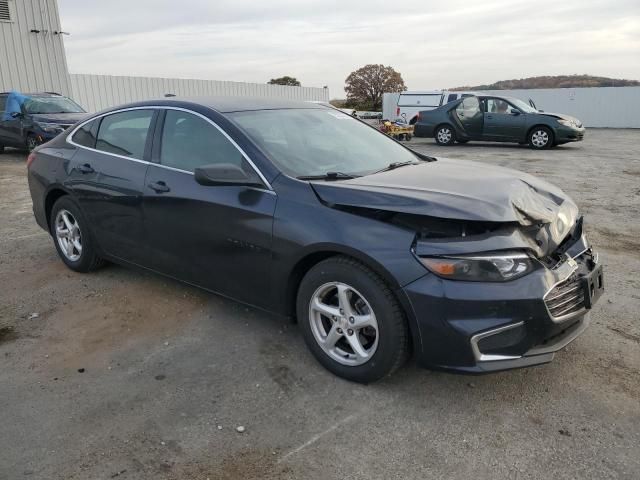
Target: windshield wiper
column 328, row 176
column 394, row 165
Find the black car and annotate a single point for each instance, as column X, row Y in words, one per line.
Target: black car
column 35, row 118
column 497, row 119
column 300, row 209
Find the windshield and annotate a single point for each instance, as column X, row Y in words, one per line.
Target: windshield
column 51, row 105
column 522, row 106
column 309, row 142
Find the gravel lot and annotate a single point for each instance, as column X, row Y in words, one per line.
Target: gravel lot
column 123, row 374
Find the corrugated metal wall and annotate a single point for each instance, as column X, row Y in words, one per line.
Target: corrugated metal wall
column 612, row 107
column 95, row 92
column 33, row 61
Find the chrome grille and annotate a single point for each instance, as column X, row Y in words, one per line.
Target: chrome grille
column 565, row 299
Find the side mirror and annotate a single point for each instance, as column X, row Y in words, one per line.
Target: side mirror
column 515, row 111
column 226, row 174
column 16, row 114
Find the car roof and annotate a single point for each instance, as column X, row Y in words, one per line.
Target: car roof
column 235, row 104
column 39, row 94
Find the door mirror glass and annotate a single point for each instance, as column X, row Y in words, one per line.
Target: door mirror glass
column 515, row 111
column 15, row 115
column 226, row 174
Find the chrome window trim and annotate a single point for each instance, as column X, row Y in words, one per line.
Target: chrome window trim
column 481, row 357
column 69, row 140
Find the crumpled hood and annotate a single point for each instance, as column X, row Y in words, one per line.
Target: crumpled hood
column 62, row 118
column 562, row 116
column 461, row 190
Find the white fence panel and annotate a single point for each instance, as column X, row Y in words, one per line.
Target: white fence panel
column 96, row 92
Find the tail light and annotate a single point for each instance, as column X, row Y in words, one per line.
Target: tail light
column 30, row 159
column 397, row 111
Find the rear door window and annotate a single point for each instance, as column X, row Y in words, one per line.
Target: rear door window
column 125, row 133
column 468, row 108
column 419, row 100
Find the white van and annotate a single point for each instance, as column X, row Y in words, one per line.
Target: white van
column 408, row 104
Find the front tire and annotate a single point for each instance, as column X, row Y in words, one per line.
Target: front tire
column 71, row 236
column 540, row 138
column 445, row 135
column 351, row 321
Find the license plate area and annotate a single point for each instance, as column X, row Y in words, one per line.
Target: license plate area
column 593, row 286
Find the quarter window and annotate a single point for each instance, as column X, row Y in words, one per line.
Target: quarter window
column 125, row 133
column 3, row 104
column 189, row 142
column 86, row 135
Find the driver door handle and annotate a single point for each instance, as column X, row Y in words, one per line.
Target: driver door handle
column 86, row 168
column 159, row 187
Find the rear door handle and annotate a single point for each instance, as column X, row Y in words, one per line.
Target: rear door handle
column 490, row 117
column 159, row 187
column 86, row 168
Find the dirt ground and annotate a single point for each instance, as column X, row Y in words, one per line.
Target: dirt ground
column 122, row 374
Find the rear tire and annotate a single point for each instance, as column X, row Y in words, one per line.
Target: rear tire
column 445, row 135
column 351, row 320
column 72, row 236
column 32, row 142
column 540, row 138
column 1, row 149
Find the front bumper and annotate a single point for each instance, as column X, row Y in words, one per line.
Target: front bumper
column 477, row 327
column 564, row 134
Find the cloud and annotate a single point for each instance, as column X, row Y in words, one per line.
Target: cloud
column 433, row 45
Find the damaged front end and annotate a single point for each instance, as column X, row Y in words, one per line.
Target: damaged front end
column 513, row 273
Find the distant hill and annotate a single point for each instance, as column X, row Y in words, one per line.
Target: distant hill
column 557, row 81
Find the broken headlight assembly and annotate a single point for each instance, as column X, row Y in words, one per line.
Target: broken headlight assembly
column 50, row 127
column 489, row 267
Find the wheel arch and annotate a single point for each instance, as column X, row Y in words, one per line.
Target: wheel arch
column 50, row 199
column 538, row 125
column 311, row 258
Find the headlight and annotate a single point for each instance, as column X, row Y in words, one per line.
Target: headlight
column 570, row 123
column 50, row 127
column 497, row 267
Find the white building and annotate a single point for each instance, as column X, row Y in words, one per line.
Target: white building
column 32, row 59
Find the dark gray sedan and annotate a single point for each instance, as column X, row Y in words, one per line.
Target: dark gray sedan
column 497, row 119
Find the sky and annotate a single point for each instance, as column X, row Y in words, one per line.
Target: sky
column 432, row 44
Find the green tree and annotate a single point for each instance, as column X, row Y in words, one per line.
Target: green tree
column 286, row 80
column 366, row 85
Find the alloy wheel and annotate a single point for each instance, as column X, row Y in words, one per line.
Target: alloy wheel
column 539, row 138
column 68, row 235
column 444, row 135
column 343, row 323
